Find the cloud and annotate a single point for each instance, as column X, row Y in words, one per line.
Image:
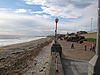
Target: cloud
column 11, row 23
column 43, row 16
column 82, row 4
column 62, row 11
column 62, row 8
column 60, row 3
column 21, row 11
column 55, row 8
column 74, row 15
column 37, row 2
column 23, row 24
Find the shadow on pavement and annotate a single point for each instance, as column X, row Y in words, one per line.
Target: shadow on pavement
column 75, row 67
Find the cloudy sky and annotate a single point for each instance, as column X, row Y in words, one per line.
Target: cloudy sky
column 36, row 17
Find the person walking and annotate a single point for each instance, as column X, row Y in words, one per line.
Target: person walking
column 85, row 47
column 72, row 45
column 93, row 47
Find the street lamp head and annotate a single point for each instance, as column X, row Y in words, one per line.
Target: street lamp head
column 56, row 20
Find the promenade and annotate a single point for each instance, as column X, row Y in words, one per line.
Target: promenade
column 75, row 61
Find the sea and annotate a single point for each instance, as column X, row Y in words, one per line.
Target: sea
column 14, row 39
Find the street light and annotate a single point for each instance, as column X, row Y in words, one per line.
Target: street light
column 91, row 24
column 56, row 21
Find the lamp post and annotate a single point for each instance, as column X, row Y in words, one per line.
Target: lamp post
column 91, row 24
column 56, row 21
column 94, row 64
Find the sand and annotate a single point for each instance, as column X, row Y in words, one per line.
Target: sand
column 15, row 59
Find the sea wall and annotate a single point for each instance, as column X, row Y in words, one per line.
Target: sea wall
column 56, row 64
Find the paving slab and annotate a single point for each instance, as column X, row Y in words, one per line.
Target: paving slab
column 75, row 67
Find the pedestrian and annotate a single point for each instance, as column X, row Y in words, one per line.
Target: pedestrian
column 85, row 47
column 72, row 45
column 93, row 47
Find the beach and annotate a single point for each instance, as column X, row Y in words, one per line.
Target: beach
column 23, row 58
column 34, row 57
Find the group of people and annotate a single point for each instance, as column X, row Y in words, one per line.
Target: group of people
column 92, row 47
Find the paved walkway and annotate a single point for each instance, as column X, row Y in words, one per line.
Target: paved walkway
column 75, row 61
column 77, row 53
column 75, row 67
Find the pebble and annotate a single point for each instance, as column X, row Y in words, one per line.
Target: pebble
column 41, row 62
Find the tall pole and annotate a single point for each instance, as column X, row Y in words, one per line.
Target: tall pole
column 56, row 31
column 91, row 24
column 94, row 63
column 56, row 21
column 98, row 31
